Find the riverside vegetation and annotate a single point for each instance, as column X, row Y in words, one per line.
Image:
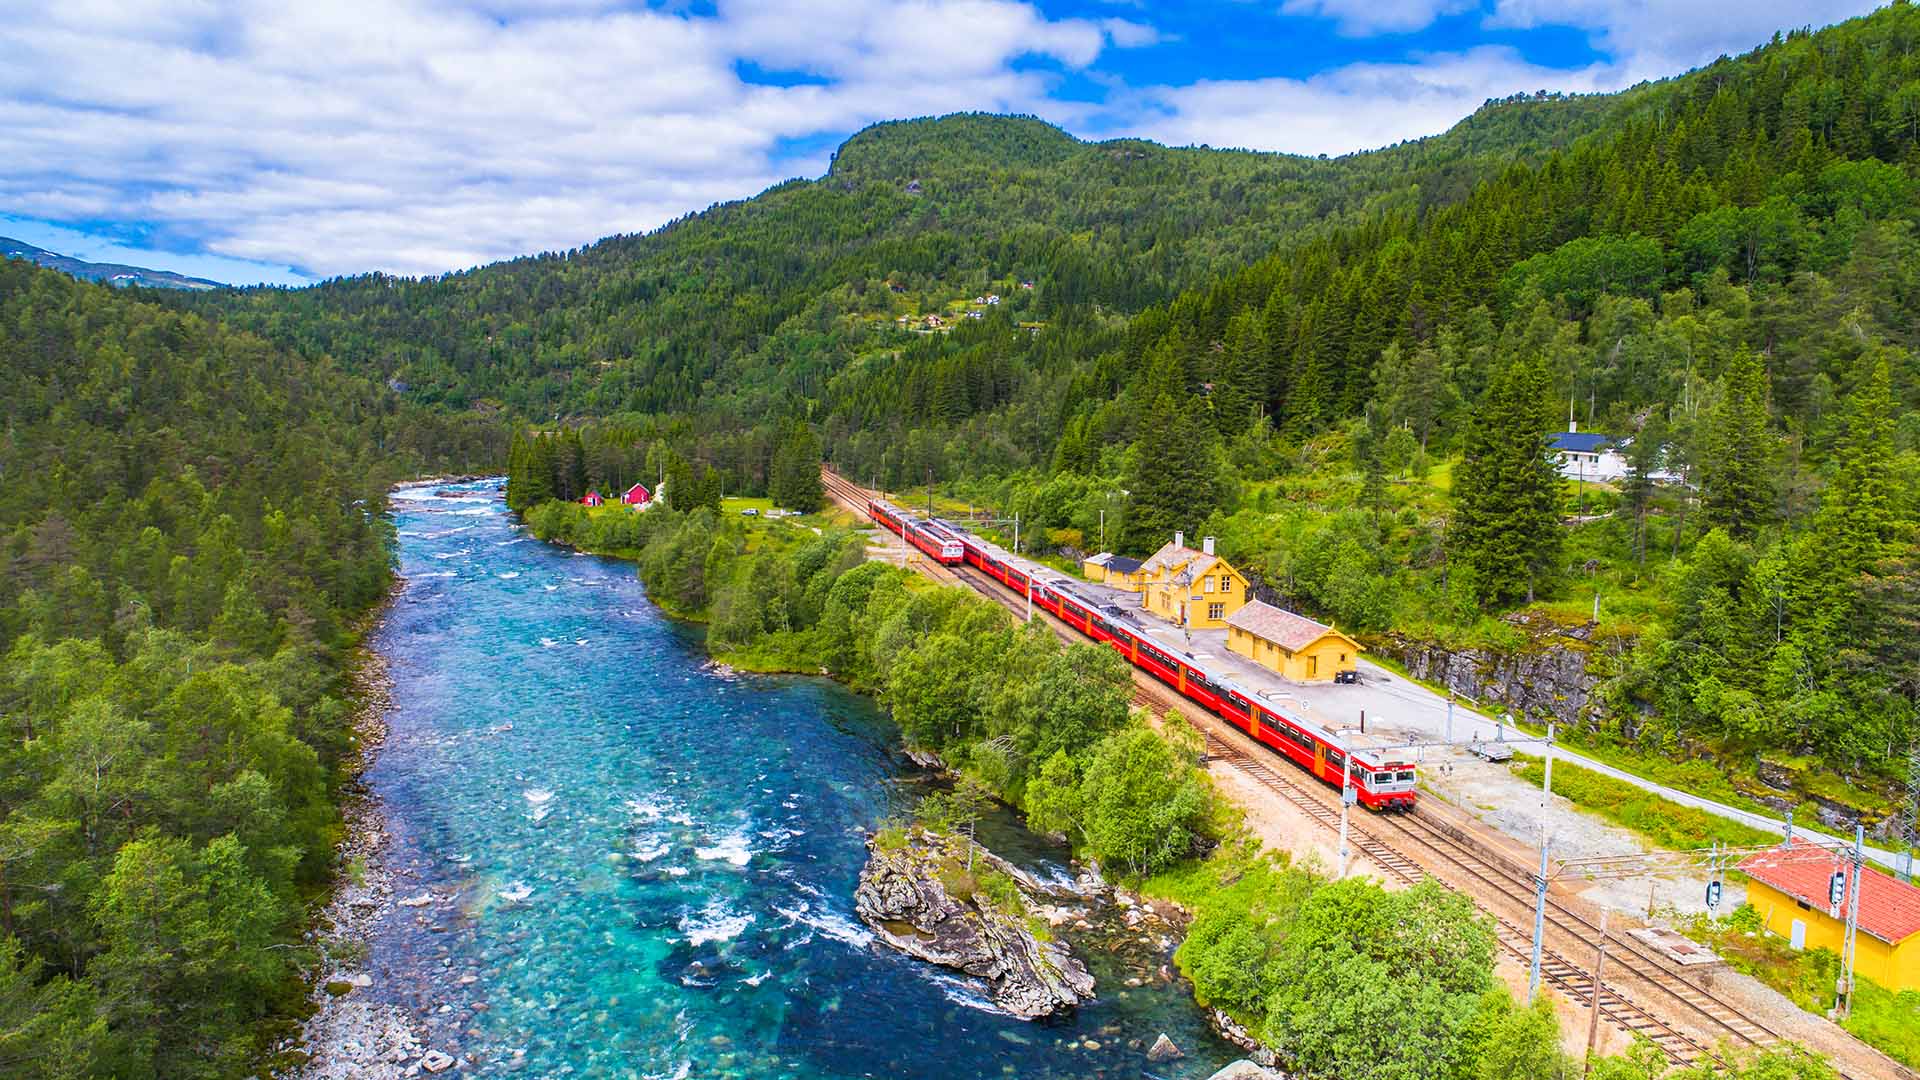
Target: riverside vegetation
column 1337, row 977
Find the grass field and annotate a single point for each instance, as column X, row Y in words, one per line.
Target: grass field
column 1661, row 821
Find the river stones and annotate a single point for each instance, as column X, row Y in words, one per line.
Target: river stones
column 1163, row 1049
column 920, row 896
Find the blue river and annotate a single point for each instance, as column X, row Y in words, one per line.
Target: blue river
column 642, row 865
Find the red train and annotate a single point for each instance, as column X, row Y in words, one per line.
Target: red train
column 936, row 539
column 1379, row 783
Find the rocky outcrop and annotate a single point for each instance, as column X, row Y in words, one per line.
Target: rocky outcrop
column 919, row 895
column 1244, row 1070
column 1554, row 672
column 1236, row 1033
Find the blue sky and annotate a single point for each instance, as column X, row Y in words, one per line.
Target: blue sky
column 282, row 142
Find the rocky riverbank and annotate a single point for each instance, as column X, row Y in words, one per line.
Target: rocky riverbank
column 948, row 901
column 349, row 1036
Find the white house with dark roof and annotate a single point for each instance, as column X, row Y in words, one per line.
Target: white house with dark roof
column 1588, row 455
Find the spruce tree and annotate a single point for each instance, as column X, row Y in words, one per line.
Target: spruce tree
column 1858, row 514
column 794, row 480
column 1506, row 493
column 1172, row 482
column 1738, row 451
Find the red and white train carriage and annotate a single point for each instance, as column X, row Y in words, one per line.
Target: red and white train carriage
column 936, row 539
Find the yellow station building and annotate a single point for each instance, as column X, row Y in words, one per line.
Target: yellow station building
column 1297, row 647
column 1194, row 589
column 1789, row 887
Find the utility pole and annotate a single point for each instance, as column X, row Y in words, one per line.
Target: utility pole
column 1539, row 923
column 1913, row 810
column 1546, row 782
column 1859, row 861
column 1103, row 528
column 1448, row 737
column 1593, row 1011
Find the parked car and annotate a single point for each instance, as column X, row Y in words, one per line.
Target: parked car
column 749, row 512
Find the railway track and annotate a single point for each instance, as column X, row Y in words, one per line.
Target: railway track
column 1570, row 978
column 1631, row 957
column 1633, row 964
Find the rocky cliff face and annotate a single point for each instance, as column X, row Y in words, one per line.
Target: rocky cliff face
column 1556, row 673
column 920, row 897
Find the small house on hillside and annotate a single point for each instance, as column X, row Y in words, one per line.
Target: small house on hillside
column 591, row 498
column 1193, row 589
column 1588, row 455
column 1296, row 647
column 1790, row 886
column 637, row 495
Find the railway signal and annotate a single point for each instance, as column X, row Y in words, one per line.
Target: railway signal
column 1837, row 891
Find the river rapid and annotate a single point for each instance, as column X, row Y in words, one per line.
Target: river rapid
column 618, row 859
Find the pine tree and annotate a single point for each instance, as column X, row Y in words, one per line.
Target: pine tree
column 1172, row 483
column 570, row 466
column 794, row 480
column 1858, row 511
column 1738, row 451
column 1506, row 493
column 1643, row 460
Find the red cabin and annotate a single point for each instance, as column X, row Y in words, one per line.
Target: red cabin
column 637, row 495
column 592, row 498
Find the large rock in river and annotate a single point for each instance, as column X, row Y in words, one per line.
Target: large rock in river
column 919, row 895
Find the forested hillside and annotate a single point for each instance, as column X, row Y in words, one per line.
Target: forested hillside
column 192, row 528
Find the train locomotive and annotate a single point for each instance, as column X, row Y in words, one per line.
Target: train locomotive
column 1378, row 783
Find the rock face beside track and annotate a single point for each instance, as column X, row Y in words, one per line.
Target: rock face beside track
column 920, row 897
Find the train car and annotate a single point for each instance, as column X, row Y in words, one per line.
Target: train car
column 1378, row 783
column 939, row 544
column 887, row 514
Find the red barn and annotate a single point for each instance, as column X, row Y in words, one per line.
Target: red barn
column 592, row 499
column 637, row 495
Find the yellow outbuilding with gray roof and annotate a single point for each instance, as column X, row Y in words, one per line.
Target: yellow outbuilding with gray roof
column 1296, row 647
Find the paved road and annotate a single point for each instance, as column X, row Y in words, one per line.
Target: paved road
column 1397, row 702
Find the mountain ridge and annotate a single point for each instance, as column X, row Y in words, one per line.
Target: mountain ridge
column 119, row 275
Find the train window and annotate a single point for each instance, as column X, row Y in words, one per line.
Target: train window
column 1407, row 776
column 1336, row 759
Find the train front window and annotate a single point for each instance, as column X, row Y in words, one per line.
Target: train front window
column 1407, row 777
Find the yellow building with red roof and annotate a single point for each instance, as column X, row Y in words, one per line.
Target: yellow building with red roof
column 1789, row 887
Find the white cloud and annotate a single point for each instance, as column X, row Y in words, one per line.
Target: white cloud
column 426, row 135
column 1357, row 107
column 1359, row 18
column 421, row 136
column 1130, row 35
column 1651, row 39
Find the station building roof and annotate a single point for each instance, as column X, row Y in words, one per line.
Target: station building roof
column 1889, row 908
column 1289, row 630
